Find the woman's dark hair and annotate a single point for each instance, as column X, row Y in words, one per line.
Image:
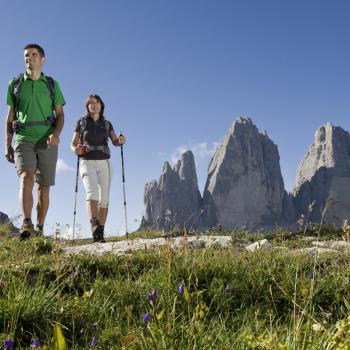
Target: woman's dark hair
column 35, row 46
column 99, row 99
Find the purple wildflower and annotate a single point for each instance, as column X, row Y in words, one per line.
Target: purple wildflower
column 152, row 296
column 312, row 276
column 94, row 325
column 9, row 343
column 228, row 288
column 311, row 253
column 94, row 342
column 181, row 288
column 146, row 317
column 35, row 343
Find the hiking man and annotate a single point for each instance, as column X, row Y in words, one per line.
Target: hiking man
column 35, row 114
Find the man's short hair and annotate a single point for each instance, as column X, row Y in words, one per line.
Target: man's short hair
column 35, row 46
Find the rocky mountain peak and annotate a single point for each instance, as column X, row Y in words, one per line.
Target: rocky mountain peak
column 175, row 198
column 324, row 174
column 244, row 188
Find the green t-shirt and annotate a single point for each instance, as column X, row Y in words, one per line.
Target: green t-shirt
column 34, row 104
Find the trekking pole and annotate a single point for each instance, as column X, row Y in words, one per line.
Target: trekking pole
column 123, row 177
column 76, row 193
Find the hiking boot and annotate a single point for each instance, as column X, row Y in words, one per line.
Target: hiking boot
column 26, row 230
column 39, row 230
column 97, row 231
column 98, row 234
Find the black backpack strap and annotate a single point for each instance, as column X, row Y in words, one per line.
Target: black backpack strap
column 51, row 87
column 107, row 124
column 82, row 127
column 16, row 88
column 17, row 125
column 104, row 149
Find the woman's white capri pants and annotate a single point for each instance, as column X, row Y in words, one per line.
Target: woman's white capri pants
column 96, row 176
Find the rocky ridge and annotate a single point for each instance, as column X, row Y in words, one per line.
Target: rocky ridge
column 245, row 188
column 202, row 242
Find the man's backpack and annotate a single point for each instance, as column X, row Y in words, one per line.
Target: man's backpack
column 17, row 84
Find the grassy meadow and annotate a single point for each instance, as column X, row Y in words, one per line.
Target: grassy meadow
column 174, row 299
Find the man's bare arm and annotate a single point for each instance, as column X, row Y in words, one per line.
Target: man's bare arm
column 9, row 153
column 54, row 139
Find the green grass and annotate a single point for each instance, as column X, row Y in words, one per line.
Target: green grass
column 265, row 300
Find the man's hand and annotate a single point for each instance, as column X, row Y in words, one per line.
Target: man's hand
column 53, row 140
column 10, row 154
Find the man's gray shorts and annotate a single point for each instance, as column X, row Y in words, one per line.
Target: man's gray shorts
column 40, row 158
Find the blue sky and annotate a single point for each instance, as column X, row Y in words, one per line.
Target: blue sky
column 175, row 75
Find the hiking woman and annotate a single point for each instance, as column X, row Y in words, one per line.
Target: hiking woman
column 90, row 143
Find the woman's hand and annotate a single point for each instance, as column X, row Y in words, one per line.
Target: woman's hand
column 121, row 139
column 117, row 140
column 80, row 150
